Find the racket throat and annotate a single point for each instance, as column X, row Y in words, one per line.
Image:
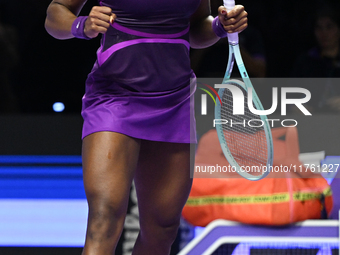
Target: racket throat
column 230, row 66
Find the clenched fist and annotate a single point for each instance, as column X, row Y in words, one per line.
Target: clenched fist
column 235, row 20
column 99, row 20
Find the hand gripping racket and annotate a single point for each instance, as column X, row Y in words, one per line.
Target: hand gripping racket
column 245, row 137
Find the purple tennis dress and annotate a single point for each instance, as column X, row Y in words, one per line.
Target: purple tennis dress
column 142, row 84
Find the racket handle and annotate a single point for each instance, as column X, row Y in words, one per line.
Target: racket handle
column 232, row 37
column 229, row 4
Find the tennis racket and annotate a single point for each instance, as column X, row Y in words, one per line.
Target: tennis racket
column 245, row 137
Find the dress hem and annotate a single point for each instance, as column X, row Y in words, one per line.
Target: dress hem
column 140, row 137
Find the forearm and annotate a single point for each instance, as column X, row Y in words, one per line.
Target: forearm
column 59, row 20
column 202, row 34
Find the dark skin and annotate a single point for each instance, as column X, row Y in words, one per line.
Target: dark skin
column 111, row 161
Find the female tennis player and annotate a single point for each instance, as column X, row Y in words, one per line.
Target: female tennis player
column 136, row 109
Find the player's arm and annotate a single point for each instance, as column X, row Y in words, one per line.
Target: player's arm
column 201, row 33
column 62, row 13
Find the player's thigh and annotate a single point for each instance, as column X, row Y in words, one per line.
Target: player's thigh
column 163, row 181
column 109, row 163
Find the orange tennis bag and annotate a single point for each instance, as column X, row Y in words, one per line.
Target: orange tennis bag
column 279, row 199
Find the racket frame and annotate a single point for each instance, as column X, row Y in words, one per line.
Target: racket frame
column 235, row 54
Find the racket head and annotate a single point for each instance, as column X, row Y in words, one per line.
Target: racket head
column 248, row 147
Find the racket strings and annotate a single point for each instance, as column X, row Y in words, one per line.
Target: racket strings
column 244, row 135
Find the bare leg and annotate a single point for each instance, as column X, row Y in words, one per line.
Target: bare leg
column 163, row 184
column 109, row 163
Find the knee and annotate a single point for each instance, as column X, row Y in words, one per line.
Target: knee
column 161, row 227
column 105, row 219
column 170, row 229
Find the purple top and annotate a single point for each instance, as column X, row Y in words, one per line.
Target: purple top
column 153, row 16
column 142, row 84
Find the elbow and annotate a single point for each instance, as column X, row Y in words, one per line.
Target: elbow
column 194, row 45
column 202, row 39
column 48, row 27
column 195, row 40
column 53, row 26
column 48, row 22
column 198, row 46
column 197, row 43
column 194, row 37
column 54, row 31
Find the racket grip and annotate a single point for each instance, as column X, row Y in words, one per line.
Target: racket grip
column 232, row 37
column 229, row 4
